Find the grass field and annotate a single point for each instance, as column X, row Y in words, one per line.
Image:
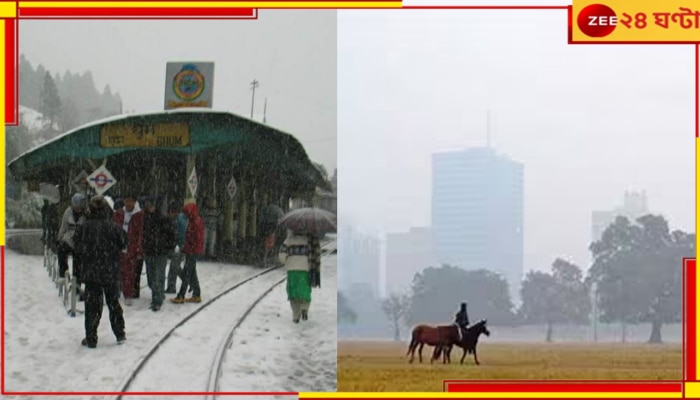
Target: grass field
column 382, row 367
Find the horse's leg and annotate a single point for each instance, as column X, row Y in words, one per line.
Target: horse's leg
column 420, row 352
column 436, row 353
column 411, row 350
column 476, row 359
column 464, row 354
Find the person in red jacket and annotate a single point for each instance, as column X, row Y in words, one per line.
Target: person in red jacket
column 130, row 218
column 194, row 246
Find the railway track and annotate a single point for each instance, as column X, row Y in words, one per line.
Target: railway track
column 215, row 374
column 174, row 360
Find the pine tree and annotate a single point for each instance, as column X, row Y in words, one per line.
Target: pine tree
column 50, row 101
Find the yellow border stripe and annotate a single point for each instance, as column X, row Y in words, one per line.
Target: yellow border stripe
column 209, row 4
column 692, row 389
column 493, row 395
column 8, row 9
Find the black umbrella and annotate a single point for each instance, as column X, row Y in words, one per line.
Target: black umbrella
column 309, row 220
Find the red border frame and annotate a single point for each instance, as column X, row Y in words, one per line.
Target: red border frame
column 11, row 113
column 566, row 386
column 137, row 12
column 690, row 322
column 11, row 75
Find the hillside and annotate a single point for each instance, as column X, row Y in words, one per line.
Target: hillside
column 81, row 101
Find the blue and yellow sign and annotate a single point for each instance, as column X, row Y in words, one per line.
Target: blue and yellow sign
column 189, row 84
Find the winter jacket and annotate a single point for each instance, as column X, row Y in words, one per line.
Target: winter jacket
column 295, row 252
column 135, row 231
column 180, row 228
column 49, row 217
column 99, row 242
column 194, row 233
column 159, row 237
column 69, row 226
column 461, row 318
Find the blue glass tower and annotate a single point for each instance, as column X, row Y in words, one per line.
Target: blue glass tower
column 477, row 212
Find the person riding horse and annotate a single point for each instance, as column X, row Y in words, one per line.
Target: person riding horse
column 462, row 321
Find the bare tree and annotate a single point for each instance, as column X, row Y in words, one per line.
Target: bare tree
column 396, row 308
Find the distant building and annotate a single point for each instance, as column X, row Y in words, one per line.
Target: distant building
column 358, row 260
column 634, row 205
column 477, row 212
column 406, row 254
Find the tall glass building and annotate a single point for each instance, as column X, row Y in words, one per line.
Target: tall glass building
column 477, row 212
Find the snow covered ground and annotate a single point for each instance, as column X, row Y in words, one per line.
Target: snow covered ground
column 183, row 362
column 43, row 351
column 32, row 119
column 270, row 351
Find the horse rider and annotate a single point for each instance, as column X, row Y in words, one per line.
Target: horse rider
column 462, row 321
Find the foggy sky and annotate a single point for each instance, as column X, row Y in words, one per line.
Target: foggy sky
column 588, row 122
column 291, row 53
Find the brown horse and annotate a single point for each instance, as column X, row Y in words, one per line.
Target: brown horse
column 468, row 343
column 432, row 336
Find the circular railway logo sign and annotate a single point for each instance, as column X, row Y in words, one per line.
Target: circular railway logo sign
column 189, row 83
column 101, row 180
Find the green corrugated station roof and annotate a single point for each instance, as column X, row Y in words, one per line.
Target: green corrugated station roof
column 254, row 146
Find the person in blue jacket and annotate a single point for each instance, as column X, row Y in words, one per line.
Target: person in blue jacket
column 180, row 221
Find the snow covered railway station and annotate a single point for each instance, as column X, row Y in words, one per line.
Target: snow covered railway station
column 193, row 154
column 254, row 174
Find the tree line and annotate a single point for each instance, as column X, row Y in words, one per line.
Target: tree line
column 636, row 277
column 67, row 100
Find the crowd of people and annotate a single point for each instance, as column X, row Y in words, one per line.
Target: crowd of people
column 111, row 241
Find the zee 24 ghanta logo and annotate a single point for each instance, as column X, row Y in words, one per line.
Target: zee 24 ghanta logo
column 188, row 84
column 599, row 20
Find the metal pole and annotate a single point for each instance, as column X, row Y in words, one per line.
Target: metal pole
column 265, row 112
column 253, row 85
column 73, row 295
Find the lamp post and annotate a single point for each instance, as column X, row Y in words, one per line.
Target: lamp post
column 253, row 86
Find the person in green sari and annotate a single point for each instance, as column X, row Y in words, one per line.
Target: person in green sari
column 301, row 256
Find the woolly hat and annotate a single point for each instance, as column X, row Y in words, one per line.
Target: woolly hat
column 78, row 200
column 99, row 208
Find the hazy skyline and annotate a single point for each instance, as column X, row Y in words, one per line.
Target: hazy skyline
column 291, row 53
column 587, row 122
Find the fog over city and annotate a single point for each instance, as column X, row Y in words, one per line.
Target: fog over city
column 587, row 122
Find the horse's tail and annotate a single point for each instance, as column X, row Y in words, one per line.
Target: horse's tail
column 414, row 340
